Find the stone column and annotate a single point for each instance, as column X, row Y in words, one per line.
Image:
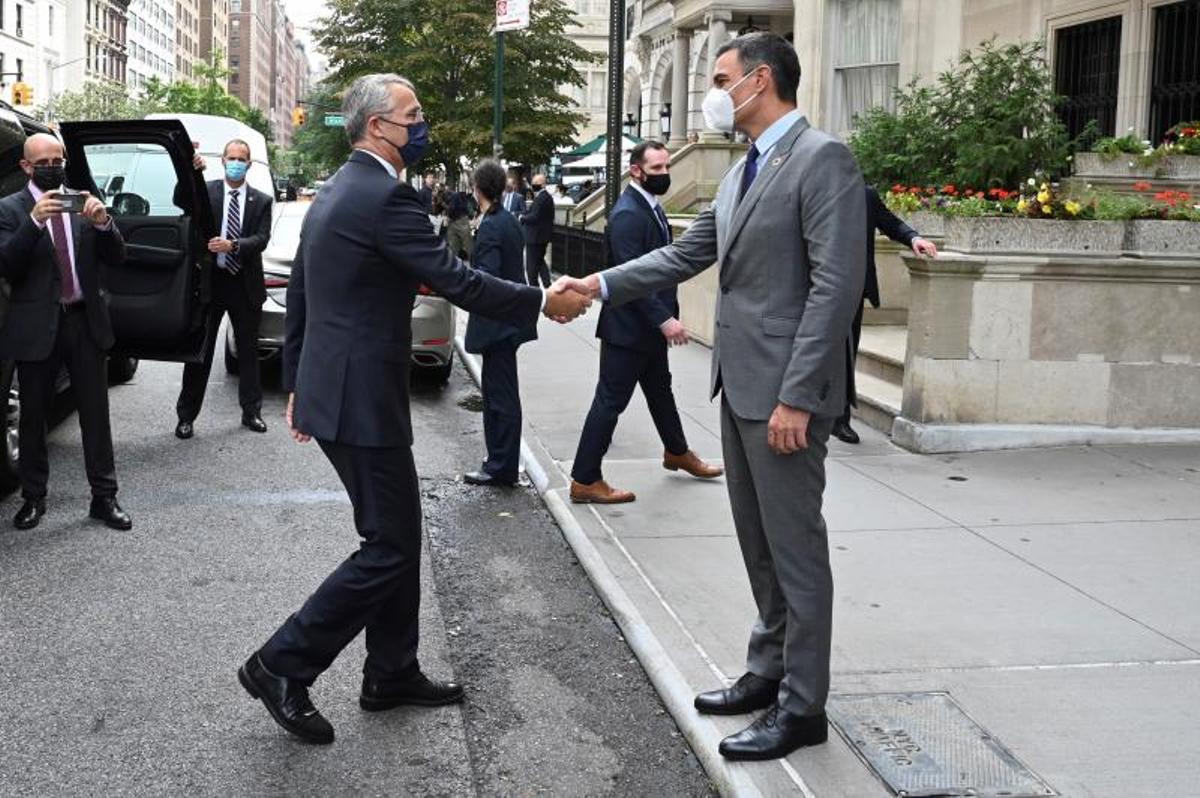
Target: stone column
column 680, row 68
column 717, row 34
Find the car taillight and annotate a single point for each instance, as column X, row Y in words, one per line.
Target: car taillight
column 425, row 290
column 271, row 281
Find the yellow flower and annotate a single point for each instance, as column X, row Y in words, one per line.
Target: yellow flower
column 1043, row 196
column 1072, row 207
column 1022, row 206
column 1046, row 209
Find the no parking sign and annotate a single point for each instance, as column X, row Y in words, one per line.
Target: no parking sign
column 512, row 15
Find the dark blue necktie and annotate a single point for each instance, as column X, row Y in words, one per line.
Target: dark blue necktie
column 662, row 220
column 750, row 171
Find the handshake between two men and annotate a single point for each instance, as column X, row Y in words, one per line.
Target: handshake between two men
column 570, row 297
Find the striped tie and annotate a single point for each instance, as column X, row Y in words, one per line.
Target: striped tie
column 233, row 231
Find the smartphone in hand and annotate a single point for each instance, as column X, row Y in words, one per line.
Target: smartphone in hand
column 72, row 201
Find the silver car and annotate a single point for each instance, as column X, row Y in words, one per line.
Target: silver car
column 433, row 321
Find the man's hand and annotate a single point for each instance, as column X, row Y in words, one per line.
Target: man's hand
column 198, row 162
column 921, row 246
column 49, row 205
column 787, row 431
column 297, row 435
column 94, row 211
column 565, row 305
column 220, row 245
column 674, row 331
column 588, row 286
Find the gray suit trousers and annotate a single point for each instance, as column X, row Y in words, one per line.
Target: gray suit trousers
column 776, row 503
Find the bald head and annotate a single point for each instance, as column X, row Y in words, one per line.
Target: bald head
column 41, row 147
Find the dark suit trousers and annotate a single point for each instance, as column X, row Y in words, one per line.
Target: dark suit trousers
column 88, row 366
column 378, row 588
column 535, row 264
column 501, row 412
column 621, row 371
column 851, row 359
column 229, row 296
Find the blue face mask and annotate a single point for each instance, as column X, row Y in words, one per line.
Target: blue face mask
column 418, row 141
column 236, row 170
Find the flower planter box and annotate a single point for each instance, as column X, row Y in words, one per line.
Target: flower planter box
column 1181, row 167
column 927, row 223
column 994, row 234
column 1173, row 167
column 1163, row 238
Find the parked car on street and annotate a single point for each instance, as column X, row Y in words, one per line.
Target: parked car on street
column 433, row 319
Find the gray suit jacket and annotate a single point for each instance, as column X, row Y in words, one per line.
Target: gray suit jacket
column 792, row 259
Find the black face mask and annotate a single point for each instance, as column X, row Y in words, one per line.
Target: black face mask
column 48, row 178
column 657, row 184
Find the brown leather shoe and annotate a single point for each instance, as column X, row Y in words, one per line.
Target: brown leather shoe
column 599, row 492
column 691, row 463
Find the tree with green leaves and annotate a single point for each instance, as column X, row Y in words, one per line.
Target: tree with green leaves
column 95, row 101
column 322, row 149
column 448, row 51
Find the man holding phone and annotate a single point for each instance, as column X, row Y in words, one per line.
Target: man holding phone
column 57, row 316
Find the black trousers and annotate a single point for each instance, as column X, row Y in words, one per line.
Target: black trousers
column 88, row 366
column 621, row 371
column 229, row 296
column 535, row 264
column 378, row 588
column 851, row 359
column 501, row 412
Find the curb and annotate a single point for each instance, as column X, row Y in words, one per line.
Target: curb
column 673, row 689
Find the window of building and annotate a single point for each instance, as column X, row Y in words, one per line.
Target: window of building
column 866, row 57
column 20, row 70
column 1175, row 67
column 50, row 21
column 20, row 20
column 1087, row 61
column 597, row 90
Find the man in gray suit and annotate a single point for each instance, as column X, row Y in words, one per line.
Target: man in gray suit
column 786, row 230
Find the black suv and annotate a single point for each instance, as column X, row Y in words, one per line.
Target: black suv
column 157, row 296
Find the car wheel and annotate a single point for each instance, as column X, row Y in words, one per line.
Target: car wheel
column 440, row 375
column 9, row 476
column 231, row 360
column 121, row 369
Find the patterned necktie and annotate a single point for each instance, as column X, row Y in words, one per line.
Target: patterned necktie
column 62, row 254
column 662, row 220
column 751, row 170
column 233, row 231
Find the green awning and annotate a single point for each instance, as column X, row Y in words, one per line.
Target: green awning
column 595, row 144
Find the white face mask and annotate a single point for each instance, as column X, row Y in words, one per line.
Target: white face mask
column 719, row 112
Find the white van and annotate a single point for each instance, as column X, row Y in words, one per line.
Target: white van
column 213, row 133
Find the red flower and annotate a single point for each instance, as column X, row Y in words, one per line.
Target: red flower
column 970, row 192
column 1189, row 132
column 898, row 189
column 1141, row 185
column 949, row 189
column 914, row 190
column 930, row 190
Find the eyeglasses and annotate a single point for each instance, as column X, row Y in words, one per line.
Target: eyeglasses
column 51, row 162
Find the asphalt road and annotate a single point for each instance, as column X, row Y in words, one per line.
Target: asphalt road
column 118, row 650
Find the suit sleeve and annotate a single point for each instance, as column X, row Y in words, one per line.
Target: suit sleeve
column 405, row 237
column 833, row 214
column 888, row 223
column 627, row 235
column 294, row 321
column 692, row 253
column 110, row 245
column 255, row 244
column 19, row 234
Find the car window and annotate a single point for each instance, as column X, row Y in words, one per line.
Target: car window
column 285, row 237
column 138, row 179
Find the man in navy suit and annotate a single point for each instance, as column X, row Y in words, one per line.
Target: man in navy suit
column 365, row 248
column 513, row 200
column 498, row 246
column 539, row 229
column 634, row 339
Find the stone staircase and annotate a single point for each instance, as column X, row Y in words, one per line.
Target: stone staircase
column 879, row 374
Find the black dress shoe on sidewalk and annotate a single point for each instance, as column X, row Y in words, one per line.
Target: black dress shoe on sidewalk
column 420, row 690
column 485, row 479
column 106, row 509
column 30, row 514
column 748, row 694
column 254, row 423
column 184, row 430
column 775, row 735
column 844, row 432
column 287, row 700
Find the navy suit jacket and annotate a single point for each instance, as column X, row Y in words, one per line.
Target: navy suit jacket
column 365, row 247
column 878, row 216
column 519, row 206
column 539, row 219
column 499, row 248
column 256, row 234
column 633, row 230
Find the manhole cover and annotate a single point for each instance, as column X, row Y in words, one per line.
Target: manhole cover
column 923, row 744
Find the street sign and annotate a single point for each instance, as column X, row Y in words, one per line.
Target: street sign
column 512, row 15
column 335, row 120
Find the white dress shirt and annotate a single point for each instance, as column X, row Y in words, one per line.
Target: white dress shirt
column 77, row 291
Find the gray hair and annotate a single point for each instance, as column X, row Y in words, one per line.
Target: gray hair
column 368, row 96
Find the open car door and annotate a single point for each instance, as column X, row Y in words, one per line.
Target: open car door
column 142, row 170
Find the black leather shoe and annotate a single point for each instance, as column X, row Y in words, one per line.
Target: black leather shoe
column 774, row 735
column 287, row 700
column 748, row 694
column 184, row 430
column 254, row 423
column 30, row 514
column 844, row 432
column 419, row 690
column 106, row 509
column 486, row 479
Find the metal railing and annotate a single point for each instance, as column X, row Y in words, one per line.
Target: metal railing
column 1086, row 69
column 1175, row 71
column 577, row 252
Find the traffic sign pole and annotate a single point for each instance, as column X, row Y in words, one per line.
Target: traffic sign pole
column 498, row 99
column 616, row 97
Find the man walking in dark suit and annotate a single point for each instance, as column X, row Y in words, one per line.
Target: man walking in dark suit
column 58, row 315
column 365, row 248
column 425, row 194
column 539, row 227
column 878, row 216
column 498, row 245
column 514, row 200
column 237, row 289
column 634, row 339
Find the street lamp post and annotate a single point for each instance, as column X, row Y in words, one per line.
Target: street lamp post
column 664, row 121
column 616, row 92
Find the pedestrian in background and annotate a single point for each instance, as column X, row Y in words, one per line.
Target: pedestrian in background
column 539, row 229
column 458, row 224
column 878, row 217
column 425, row 194
column 513, row 200
column 498, row 248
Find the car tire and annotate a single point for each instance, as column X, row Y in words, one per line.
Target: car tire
column 10, row 477
column 440, row 375
column 231, row 360
column 121, row 369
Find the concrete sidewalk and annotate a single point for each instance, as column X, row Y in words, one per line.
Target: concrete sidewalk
column 1054, row 593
